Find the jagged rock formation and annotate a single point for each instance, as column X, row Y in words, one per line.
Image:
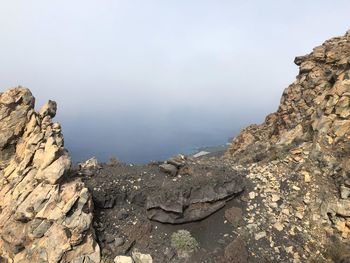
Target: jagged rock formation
column 298, row 158
column 315, row 108
column 45, row 216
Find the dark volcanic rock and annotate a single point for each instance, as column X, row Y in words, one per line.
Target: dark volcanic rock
column 104, row 200
column 179, row 161
column 168, row 168
column 193, row 199
column 151, row 194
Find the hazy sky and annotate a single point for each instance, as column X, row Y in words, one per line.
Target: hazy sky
column 145, row 79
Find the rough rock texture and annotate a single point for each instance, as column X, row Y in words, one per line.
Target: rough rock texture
column 45, row 216
column 192, row 199
column 297, row 162
column 123, row 259
column 236, row 252
column 315, row 108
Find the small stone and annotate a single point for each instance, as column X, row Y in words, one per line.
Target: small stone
column 178, row 161
column 285, row 211
column 316, row 217
column 119, row 241
column 289, row 249
column 275, row 198
column 296, row 188
column 252, row 195
column 299, row 215
column 168, row 169
column 273, row 205
column 296, row 256
column 344, row 192
column 307, row 177
column 341, row 226
column 260, row 235
column 123, row 259
column 141, row 258
column 235, row 216
column 278, row 226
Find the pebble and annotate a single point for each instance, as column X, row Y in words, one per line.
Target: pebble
column 275, row 198
column 299, row 215
column 252, row 195
column 289, row 249
column 278, row 226
column 307, row 177
column 285, row 211
column 296, row 188
column 260, row 235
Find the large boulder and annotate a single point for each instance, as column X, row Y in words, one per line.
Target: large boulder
column 193, row 197
column 45, row 214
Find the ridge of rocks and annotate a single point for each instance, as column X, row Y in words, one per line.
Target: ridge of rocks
column 45, row 216
column 313, row 109
column 297, row 163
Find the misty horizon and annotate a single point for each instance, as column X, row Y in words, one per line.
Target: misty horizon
column 144, row 81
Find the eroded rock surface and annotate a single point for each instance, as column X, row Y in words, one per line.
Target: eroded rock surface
column 139, row 207
column 298, row 163
column 45, row 216
column 193, row 198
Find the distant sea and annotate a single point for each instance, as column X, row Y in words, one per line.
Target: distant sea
column 141, row 140
column 134, row 152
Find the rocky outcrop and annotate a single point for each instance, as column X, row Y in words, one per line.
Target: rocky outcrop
column 192, row 199
column 297, row 162
column 175, row 165
column 315, row 109
column 45, row 214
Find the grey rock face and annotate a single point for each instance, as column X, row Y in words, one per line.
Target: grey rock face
column 192, row 200
column 168, row 168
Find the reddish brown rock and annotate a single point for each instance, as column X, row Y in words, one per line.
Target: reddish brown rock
column 234, row 215
column 236, row 252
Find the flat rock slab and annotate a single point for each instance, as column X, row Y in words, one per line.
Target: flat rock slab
column 193, row 197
